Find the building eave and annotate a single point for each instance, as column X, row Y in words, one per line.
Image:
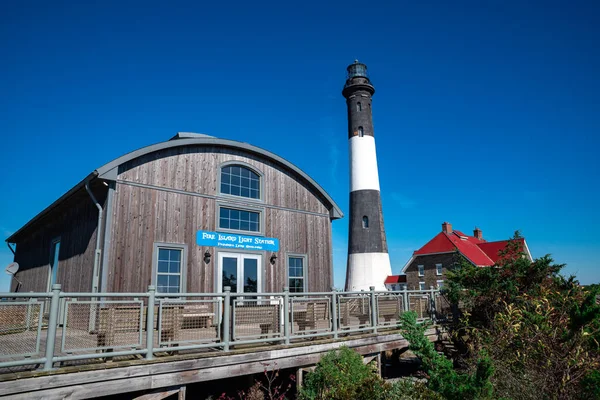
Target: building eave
column 109, row 171
column 12, row 238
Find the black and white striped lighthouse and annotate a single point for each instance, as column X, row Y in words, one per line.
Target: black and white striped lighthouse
column 368, row 258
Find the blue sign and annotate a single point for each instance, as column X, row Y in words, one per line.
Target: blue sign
column 235, row 241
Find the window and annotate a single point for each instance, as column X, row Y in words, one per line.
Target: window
column 358, row 106
column 421, row 269
column 296, row 273
column 169, row 267
column 365, row 222
column 403, row 286
column 54, row 253
column 361, row 131
column 440, row 284
column 438, row 269
column 238, row 180
column 422, row 286
column 239, row 220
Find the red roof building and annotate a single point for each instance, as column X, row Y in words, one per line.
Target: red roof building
column 428, row 264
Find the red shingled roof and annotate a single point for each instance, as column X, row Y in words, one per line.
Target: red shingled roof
column 395, row 279
column 491, row 249
column 479, row 252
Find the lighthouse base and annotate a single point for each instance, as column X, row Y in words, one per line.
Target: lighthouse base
column 366, row 270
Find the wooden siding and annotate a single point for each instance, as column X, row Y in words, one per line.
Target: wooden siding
column 195, row 169
column 143, row 216
column 75, row 222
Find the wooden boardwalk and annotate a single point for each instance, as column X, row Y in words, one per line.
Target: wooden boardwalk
column 134, row 375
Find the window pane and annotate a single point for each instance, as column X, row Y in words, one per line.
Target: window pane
column 174, row 281
column 235, row 180
column 245, row 226
column 234, row 224
column 225, row 178
column 254, row 227
column 224, row 213
column 254, row 184
column 224, row 223
column 296, row 285
column 230, row 273
column 162, row 280
column 235, row 171
column 235, row 190
column 174, row 267
column 175, row 255
column 250, row 275
column 163, row 266
column 163, row 254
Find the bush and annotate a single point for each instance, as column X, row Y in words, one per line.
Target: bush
column 341, row 375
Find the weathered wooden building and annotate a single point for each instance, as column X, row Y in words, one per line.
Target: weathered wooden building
column 192, row 214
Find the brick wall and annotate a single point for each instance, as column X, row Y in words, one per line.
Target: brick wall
column 429, row 261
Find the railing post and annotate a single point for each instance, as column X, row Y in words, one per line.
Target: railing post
column 28, row 323
column 405, row 299
column 373, row 309
column 432, row 303
column 226, row 317
column 150, row 322
column 52, row 325
column 286, row 314
column 334, row 318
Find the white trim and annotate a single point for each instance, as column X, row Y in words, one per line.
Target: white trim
column 424, row 287
column 412, row 258
column 182, row 266
column 438, row 283
column 527, row 250
column 440, row 271
column 240, row 270
column 419, row 266
column 304, row 258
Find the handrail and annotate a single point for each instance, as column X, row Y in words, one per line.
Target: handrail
column 188, row 321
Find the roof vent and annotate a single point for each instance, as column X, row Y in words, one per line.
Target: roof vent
column 190, row 135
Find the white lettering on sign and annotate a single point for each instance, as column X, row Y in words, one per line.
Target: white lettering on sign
column 208, row 236
column 245, row 240
column 228, row 238
column 263, row 241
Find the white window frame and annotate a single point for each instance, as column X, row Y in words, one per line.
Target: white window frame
column 421, row 270
column 438, row 269
column 422, row 286
column 182, row 266
column 51, row 265
column 304, row 269
column 438, row 282
column 249, row 167
column 261, row 219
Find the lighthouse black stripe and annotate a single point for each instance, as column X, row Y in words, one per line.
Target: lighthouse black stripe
column 366, row 203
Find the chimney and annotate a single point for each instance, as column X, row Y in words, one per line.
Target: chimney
column 477, row 233
column 447, row 227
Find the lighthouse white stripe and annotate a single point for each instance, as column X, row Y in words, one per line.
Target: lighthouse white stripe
column 368, row 269
column 363, row 164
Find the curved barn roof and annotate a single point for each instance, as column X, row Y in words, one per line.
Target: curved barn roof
column 109, row 170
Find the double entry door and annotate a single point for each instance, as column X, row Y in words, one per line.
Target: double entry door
column 240, row 271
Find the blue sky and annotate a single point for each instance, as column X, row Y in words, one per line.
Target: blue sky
column 486, row 113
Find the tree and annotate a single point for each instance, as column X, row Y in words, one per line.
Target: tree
column 541, row 330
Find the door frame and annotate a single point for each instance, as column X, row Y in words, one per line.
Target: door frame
column 240, row 256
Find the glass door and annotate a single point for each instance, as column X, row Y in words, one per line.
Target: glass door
column 241, row 272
